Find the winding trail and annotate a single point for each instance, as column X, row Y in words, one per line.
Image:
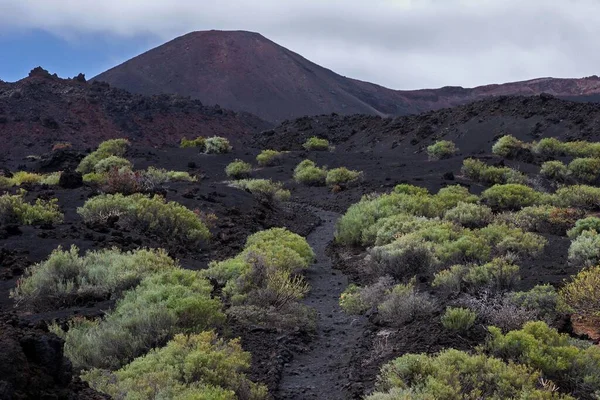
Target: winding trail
column 324, row 370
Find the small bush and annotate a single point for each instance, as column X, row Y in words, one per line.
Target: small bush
column 308, row 173
column 282, row 237
column 65, row 277
column 94, row 178
column 169, row 220
column 458, row 319
column 543, row 219
column 342, row 176
column 14, row 210
column 178, row 301
column 199, row 142
column 575, row 369
column 585, row 170
column 200, row 366
column 407, row 256
column 510, row 196
column 405, row 188
column 316, row 144
column 357, row 300
column 454, row 374
column 480, row 172
column 582, row 294
column 51, row 179
column 555, row 170
column 110, row 163
column 238, row 169
column 26, row 178
column 268, row 158
column 507, row 146
column 217, row 145
column 441, row 150
column 470, row 215
column 577, row 196
column 585, row 224
column 404, row 303
column 499, row 310
column 585, row 249
column 157, row 176
column 263, row 189
column 549, row 147
column 541, row 299
column 499, row 274
column 113, row 147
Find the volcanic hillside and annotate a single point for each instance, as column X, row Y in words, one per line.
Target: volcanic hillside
column 42, row 109
column 244, row 71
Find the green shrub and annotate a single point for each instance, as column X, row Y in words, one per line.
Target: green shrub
column 342, row 176
column 110, row 163
column 238, row 169
column 451, row 279
column 441, row 149
column 480, row 172
column 113, row 147
column 499, row 274
column 549, row 147
column 582, row 294
column 268, row 158
column 458, row 319
column 510, row 196
column 507, row 146
column 513, row 240
column 543, row 219
column 199, row 142
column 585, row 249
column 541, row 299
column 574, row 368
column 308, row 173
column 316, row 144
column 26, row 178
column 169, row 220
column 454, row 374
column 282, row 237
column 405, row 303
column 217, row 145
column 585, row 224
column 577, row 196
column 51, row 179
column 65, row 277
column 177, row 301
column 94, row 178
column 200, row 366
column 585, row 170
column 555, row 170
column 158, row 176
column 405, row 188
column 406, row 256
column 263, row 189
column 470, row 215
column 14, row 210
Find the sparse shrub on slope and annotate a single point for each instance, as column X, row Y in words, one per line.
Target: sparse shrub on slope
column 441, row 149
column 342, row 176
column 577, row 196
column 541, row 299
column 263, row 189
column 508, row 146
column 238, row 169
column 481, row 172
column 308, row 173
column 177, row 301
column 169, row 220
column 582, row 294
column 217, row 145
column 550, row 147
column 199, row 142
column 113, row 147
column 405, row 303
column 470, row 215
column 510, row 197
column 200, row 366
column 585, row 170
column 573, row 366
column 585, row 249
column 25, row 178
column 268, row 158
column 454, row 374
column 316, row 144
column 14, row 210
column 585, row 224
column 65, row 277
column 110, row 163
column 555, row 170
column 499, row 274
column 543, row 219
column 458, row 319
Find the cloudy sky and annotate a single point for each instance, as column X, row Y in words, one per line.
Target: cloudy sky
column 402, row 44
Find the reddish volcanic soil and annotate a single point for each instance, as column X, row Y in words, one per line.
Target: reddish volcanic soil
column 245, row 71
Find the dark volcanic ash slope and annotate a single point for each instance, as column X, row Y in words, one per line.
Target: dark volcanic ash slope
column 43, row 109
column 244, row 71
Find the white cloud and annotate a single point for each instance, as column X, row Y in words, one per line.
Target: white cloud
column 402, row 44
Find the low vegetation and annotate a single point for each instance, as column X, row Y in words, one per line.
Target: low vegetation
column 263, row 189
column 308, row 173
column 66, row 277
column 342, row 176
column 458, row 319
column 316, row 144
column 109, row 148
column 217, row 145
column 238, row 169
column 169, row 220
column 481, row 172
column 441, row 150
column 15, row 210
column 197, row 366
column 268, row 158
column 199, row 143
column 582, row 294
column 29, row 178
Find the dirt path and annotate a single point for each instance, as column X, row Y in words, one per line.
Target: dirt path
column 324, row 370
